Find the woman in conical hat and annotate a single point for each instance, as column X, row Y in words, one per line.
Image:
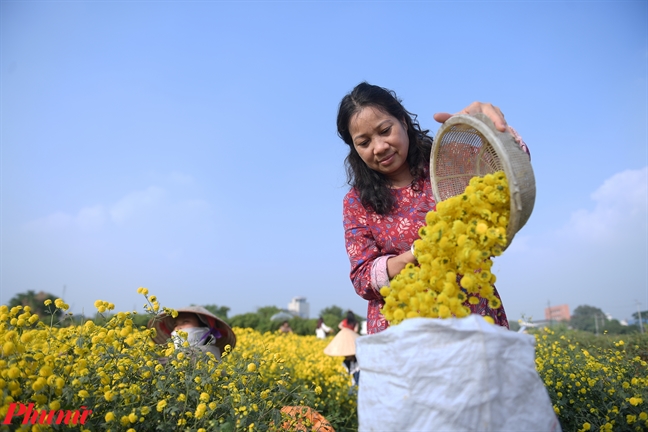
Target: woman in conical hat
column 343, row 345
column 204, row 330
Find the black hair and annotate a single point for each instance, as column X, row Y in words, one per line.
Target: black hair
column 372, row 186
column 351, row 318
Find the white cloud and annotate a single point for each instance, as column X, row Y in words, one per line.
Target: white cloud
column 597, row 257
column 55, row 221
column 621, row 209
column 91, row 218
column 135, row 202
column 95, row 217
column 88, row 218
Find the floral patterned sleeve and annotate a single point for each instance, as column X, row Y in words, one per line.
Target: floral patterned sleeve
column 368, row 264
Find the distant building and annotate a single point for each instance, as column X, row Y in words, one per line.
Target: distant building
column 557, row 313
column 300, row 307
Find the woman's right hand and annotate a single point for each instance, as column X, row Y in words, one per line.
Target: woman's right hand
column 397, row 263
column 491, row 111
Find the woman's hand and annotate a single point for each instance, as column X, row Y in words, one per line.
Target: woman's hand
column 494, row 114
column 489, row 109
column 397, row 263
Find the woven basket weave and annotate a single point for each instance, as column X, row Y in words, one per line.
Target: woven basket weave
column 466, row 146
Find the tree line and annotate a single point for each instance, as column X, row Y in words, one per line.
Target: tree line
column 259, row 320
column 586, row 318
column 594, row 320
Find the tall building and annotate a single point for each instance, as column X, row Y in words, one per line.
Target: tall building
column 300, row 307
column 557, row 313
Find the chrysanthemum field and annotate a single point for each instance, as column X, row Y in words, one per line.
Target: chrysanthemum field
column 108, row 376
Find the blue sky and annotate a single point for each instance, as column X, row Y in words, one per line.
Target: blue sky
column 191, row 148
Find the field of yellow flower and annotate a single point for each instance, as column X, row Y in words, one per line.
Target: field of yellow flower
column 108, row 376
column 597, row 383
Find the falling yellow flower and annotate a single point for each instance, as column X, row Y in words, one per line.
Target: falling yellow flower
column 459, row 238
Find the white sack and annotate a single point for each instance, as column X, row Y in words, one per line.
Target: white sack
column 457, row 374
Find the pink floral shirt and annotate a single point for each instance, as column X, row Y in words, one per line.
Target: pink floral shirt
column 371, row 239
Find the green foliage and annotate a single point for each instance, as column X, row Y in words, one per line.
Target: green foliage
column 587, row 318
column 615, row 327
column 220, row 311
column 641, row 319
column 560, row 326
column 644, row 315
column 261, row 322
column 332, row 316
column 303, row 327
column 335, row 311
column 140, row 320
column 266, row 312
column 36, row 302
column 247, row 320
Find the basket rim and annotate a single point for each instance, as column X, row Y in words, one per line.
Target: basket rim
column 484, row 125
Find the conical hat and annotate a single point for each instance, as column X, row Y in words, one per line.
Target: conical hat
column 343, row 344
column 164, row 325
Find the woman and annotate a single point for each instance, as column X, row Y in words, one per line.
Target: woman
column 388, row 171
column 285, row 327
column 205, row 331
column 343, row 345
column 349, row 322
column 322, row 330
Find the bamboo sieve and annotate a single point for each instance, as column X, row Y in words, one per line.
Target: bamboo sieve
column 466, row 146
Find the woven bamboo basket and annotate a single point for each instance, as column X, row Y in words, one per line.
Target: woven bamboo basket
column 466, row 146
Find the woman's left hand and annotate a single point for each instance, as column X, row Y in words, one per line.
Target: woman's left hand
column 489, row 109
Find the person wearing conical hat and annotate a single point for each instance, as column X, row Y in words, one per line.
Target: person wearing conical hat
column 205, row 330
column 343, row 345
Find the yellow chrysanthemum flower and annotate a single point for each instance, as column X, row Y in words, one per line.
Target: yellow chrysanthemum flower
column 459, row 237
column 161, row 405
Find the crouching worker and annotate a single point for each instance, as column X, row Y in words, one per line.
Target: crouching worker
column 205, row 331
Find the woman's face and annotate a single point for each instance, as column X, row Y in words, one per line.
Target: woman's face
column 186, row 320
column 382, row 142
